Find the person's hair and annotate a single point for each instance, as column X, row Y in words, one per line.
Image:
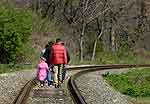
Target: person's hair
column 42, row 58
column 62, row 43
column 50, row 43
column 58, row 40
column 47, row 45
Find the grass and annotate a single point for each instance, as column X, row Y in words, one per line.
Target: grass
column 4, row 68
column 135, row 83
column 143, row 100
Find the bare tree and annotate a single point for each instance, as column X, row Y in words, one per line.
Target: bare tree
column 108, row 20
column 100, row 32
column 90, row 12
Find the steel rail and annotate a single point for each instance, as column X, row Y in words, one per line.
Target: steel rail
column 78, row 98
column 24, row 93
column 107, row 65
column 74, row 91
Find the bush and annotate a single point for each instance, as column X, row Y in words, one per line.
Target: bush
column 125, row 54
column 15, row 29
column 135, row 83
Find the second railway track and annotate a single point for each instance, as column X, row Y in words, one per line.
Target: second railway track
column 76, row 94
column 74, row 91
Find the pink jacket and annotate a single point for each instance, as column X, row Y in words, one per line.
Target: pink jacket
column 42, row 69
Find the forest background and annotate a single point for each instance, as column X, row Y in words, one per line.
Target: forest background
column 95, row 31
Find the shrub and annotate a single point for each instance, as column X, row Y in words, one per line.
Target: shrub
column 15, row 29
column 135, row 83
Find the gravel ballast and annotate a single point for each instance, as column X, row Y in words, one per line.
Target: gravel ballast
column 92, row 86
column 96, row 91
column 11, row 84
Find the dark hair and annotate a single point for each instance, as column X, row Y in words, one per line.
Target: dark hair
column 50, row 43
column 62, row 43
column 47, row 45
column 58, row 40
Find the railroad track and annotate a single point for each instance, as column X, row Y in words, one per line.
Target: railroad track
column 24, row 93
column 74, row 91
column 76, row 94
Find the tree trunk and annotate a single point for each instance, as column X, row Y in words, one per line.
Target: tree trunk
column 81, row 42
column 95, row 43
column 113, row 47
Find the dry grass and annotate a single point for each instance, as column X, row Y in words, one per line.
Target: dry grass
column 145, row 100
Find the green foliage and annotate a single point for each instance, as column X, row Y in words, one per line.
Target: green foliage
column 15, row 29
column 7, row 68
column 29, row 55
column 124, row 50
column 125, row 54
column 135, row 83
column 142, row 100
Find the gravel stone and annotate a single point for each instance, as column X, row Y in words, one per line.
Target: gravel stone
column 92, row 86
column 11, row 84
column 56, row 96
column 96, row 91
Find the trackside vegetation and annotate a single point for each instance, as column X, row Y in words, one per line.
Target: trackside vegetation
column 15, row 30
column 135, row 83
column 7, row 68
column 124, row 55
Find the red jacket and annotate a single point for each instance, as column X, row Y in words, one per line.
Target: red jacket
column 58, row 54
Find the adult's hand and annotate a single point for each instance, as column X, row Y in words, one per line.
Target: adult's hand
column 66, row 65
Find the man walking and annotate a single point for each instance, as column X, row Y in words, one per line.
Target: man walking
column 58, row 58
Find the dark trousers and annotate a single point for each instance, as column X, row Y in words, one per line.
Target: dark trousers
column 63, row 73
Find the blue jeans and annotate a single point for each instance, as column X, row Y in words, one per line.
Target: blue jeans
column 48, row 78
column 52, row 75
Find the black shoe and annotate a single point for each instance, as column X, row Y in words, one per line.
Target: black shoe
column 49, row 84
column 57, row 86
column 52, row 83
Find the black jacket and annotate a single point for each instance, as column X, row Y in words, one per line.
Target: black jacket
column 46, row 55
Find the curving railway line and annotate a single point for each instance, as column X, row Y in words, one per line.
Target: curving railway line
column 72, row 87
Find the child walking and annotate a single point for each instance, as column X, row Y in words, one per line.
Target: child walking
column 42, row 70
